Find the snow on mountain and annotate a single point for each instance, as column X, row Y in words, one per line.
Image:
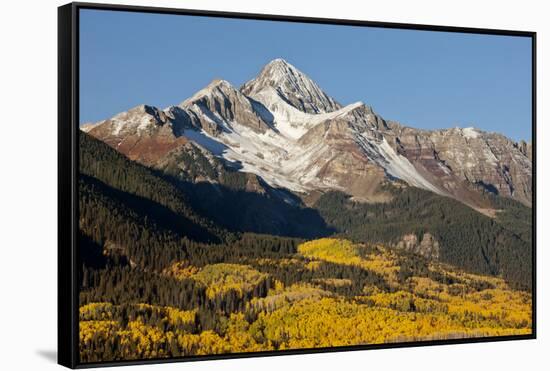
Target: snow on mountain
column 216, row 87
column 137, row 119
column 263, row 154
column 87, row 126
column 470, row 133
column 292, row 86
column 220, row 103
column 400, row 167
column 282, row 127
column 289, row 120
column 277, row 154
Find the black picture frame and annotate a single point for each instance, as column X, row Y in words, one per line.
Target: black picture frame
column 68, row 128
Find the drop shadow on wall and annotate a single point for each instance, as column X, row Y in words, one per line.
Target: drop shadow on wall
column 49, row 355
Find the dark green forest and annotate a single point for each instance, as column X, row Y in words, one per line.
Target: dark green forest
column 469, row 240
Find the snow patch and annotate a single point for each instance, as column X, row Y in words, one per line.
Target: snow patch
column 292, row 122
column 470, row 133
column 206, row 141
column 400, row 167
column 89, row 126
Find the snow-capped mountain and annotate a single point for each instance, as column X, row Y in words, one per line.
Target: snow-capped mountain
column 284, row 128
column 279, row 81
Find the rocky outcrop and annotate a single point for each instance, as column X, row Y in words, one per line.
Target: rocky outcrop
column 489, row 160
column 337, row 159
column 526, row 148
column 466, row 161
column 219, row 103
column 427, row 246
column 144, row 134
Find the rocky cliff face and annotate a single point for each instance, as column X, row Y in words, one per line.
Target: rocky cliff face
column 465, row 161
column 427, row 246
column 490, row 161
column 283, row 128
column 526, row 149
column 144, row 134
column 219, row 103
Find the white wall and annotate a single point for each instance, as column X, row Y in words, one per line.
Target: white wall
column 28, row 182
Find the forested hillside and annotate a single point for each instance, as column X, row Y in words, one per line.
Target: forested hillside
column 162, row 277
column 99, row 161
column 467, row 239
column 327, row 292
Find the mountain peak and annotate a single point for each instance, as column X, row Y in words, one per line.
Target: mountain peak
column 280, row 71
column 220, row 83
column 143, row 108
column 292, row 86
column 280, row 63
column 215, row 87
column 470, row 132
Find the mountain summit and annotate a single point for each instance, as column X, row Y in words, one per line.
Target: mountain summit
column 283, row 128
column 219, row 105
column 290, row 85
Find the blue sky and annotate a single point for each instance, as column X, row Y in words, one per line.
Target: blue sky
column 423, row 79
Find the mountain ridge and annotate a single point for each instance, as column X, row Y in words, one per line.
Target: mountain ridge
column 284, row 128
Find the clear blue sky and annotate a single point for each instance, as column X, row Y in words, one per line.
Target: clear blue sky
column 422, row 79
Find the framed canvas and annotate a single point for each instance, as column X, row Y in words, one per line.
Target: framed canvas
column 237, row 185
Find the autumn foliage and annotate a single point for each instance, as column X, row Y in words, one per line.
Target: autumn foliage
column 420, row 301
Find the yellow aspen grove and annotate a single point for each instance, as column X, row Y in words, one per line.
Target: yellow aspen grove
column 330, row 292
